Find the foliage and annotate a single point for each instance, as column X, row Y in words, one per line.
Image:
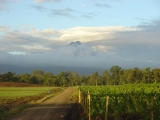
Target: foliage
column 115, row 76
column 125, row 101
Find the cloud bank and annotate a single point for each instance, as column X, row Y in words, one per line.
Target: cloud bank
column 99, row 47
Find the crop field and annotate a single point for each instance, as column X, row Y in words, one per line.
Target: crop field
column 125, row 102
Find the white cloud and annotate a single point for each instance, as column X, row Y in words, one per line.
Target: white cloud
column 85, row 34
column 46, row 33
column 102, row 46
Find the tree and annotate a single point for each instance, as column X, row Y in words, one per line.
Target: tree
column 38, row 76
column 25, row 78
column 84, row 80
column 147, row 75
column 106, row 78
column 9, row 77
column 127, row 76
column 72, row 78
column 49, row 79
column 137, row 75
column 116, row 73
column 94, row 79
column 156, row 75
column 37, row 72
column 61, row 79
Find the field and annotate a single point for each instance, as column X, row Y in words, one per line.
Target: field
column 12, row 98
column 126, row 102
column 17, row 92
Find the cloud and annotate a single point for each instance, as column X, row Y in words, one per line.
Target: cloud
column 46, row 33
column 67, row 12
column 102, row 5
column 99, row 47
column 38, row 7
column 48, row 39
column 90, row 15
column 4, row 28
column 69, row 55
column 85, row 34
column 4, row 4
column 75, row 54
column 18, row 41
column 42, row 1
column 104, row 48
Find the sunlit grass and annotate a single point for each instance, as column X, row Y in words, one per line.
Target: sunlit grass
column 16, row 92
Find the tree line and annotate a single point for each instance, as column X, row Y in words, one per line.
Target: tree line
column 115, row 76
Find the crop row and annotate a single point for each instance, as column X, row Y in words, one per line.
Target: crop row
column 125, row 101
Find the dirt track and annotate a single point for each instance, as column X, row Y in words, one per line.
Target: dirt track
column 54, row 108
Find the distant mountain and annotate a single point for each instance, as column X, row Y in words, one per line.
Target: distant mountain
column 80, row 49
column 77, row 43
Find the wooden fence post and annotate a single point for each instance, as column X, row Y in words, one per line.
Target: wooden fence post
column 79, row 96
column 107, row 100
column 152, row 111
column 89, row 100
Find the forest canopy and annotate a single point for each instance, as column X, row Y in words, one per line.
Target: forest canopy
column 115, row 76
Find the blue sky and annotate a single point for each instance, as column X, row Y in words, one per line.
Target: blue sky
column 65, row 14
column 112, row 32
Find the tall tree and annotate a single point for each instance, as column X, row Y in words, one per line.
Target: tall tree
column 137, row 75
column 72, row 78
column 9, row 77
column 48, row 79
column 156, row 75
column 106, row 78
column 38, row 76
column 61, row 79
column 147, row 75
column 116, row 73
column 25, row 78
column 94, row 79
column 84, row 80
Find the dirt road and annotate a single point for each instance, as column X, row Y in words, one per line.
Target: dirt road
column 54, row 108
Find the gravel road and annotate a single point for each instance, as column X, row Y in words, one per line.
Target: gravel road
column 54, row 108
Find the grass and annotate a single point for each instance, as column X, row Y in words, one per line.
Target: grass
column 16, row 92
column 14, row 99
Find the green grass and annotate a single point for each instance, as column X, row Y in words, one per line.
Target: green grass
column 14, row 99
column 16, row 92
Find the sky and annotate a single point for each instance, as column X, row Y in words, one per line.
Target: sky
column 80, row 33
